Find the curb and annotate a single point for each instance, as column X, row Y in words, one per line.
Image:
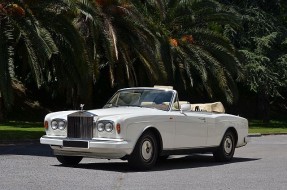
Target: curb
column 274, row 134
column 254, row 135
column 264, row 134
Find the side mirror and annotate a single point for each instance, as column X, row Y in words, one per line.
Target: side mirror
column 185, row 107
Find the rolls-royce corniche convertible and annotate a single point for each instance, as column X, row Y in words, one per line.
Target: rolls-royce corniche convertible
column 143, row 125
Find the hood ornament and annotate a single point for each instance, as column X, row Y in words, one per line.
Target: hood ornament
column 82, row 107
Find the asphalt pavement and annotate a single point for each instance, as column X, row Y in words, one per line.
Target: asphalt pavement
column 262, row 164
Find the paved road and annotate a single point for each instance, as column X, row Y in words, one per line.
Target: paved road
column 262, row 164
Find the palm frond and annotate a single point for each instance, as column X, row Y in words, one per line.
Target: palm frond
column 5, row 78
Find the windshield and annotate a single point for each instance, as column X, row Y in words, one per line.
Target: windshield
column 150, row 98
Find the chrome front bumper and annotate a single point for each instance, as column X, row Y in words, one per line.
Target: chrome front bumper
column 97, row 147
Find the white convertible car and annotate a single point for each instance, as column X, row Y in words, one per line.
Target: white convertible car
column 143, row 125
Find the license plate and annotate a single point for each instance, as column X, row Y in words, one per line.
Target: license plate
column 76, row 144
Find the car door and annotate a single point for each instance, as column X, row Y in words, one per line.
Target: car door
column 190, row 130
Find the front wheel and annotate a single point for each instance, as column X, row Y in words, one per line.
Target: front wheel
column 145, row 153
column 69, row 160
column 226, row 149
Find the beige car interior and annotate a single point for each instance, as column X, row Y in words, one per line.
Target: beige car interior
column 216, row 107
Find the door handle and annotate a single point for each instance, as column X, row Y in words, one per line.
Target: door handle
column 202, row 118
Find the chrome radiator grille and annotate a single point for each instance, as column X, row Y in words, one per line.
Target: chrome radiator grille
column 80, row 125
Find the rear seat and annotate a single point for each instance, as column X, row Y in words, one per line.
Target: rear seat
column 209, row 107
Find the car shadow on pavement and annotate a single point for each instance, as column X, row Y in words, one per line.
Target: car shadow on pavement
column 196, row 161
column 172, row 163
column 26, row 149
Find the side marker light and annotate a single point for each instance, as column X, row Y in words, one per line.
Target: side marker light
column 118, row 128
column 46, row 125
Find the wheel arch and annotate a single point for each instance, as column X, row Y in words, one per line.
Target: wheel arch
column 234, row 132
column 157, row 134
column 137, row 159
column 158, row 137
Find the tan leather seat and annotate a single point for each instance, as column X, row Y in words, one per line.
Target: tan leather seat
column 209, row 107
column 146, row 103
column 175, row 105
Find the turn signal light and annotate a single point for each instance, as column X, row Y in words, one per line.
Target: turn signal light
column 46, row 125
column 118, row 128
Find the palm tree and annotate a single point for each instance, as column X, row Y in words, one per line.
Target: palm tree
column 50, row 45
column 70, row 71
column 17, row 22
column 192, row 45
column 119, row 42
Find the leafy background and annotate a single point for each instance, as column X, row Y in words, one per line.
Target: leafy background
column 56, row 54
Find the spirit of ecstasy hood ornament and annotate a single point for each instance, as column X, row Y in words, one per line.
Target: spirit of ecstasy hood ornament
column 82, row 107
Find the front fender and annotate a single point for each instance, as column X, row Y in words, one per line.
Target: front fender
column 165, row 130
column 134, row 132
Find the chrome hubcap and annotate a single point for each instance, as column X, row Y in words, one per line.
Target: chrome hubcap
column 228, row 145
column 147, row 150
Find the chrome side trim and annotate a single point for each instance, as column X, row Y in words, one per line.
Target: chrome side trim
column 185, row 151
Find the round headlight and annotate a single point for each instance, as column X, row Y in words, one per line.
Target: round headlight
column 109, row 127
column 54, row 125
column 62, row 125
column 101, row 127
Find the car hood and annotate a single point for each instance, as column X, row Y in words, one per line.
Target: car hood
column 108, row 112
column 121, row 111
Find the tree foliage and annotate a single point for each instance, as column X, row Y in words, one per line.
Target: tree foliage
column 17, row 22
column 49, row 42
column 118, row 39
column 201, row 57
column 262, row 43
column 76, row 48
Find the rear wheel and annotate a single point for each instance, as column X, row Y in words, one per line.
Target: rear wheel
column 145, row 153
column 226, row 149
column 69, row 160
